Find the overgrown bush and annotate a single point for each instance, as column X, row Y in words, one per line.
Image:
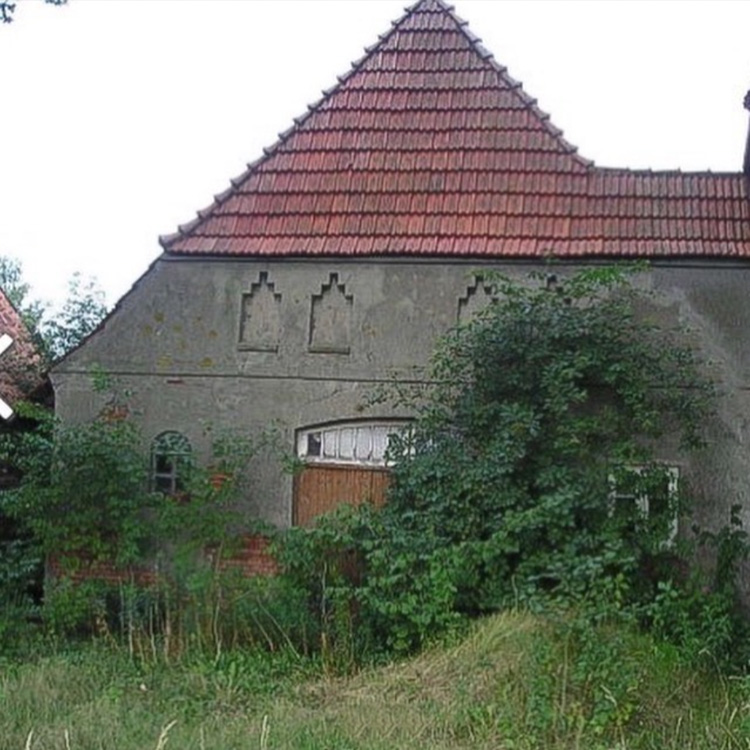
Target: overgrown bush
column 702, row 614
column 140, row 566
column 20, row 583
column 529, row 475
column 83, row 488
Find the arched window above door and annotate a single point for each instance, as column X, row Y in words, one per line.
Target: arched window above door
column 353, row 443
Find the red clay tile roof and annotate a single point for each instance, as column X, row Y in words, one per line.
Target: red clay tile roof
column 20, row 365
column 428, row 147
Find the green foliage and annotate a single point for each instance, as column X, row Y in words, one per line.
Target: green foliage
column 83, row 487
column 17, row 291
column 83, row 310
column 584, row 682
column 54, row 333
column 529, row 474
column 536, row 410
column 85, row 498
column 324, row 565
column 72, row 607
column 703, row 615
column 205, row 513
column 20, row 579
column 516, row 682
column 206, row 612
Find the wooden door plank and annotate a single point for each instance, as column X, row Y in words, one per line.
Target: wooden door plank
column 320, row 489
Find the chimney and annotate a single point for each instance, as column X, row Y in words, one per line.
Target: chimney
column 746, row 163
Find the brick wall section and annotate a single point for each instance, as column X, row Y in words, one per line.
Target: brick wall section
column 253, row 558
column 101, row 570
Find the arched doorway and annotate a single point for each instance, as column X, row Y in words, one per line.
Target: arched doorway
column 345, row 463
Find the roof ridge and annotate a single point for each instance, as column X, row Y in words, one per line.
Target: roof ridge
column 502, row 71
column 427, row 146
column 371, row 50
column 674, row 172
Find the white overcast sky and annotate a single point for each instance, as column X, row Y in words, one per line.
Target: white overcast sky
column 120, row 118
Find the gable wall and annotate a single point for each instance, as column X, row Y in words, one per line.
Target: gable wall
column 175, row 343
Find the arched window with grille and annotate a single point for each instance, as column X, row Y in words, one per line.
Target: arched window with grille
column 171, row 456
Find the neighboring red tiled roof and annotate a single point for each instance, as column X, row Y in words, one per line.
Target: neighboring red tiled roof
column 20, row 365
column 428, row 147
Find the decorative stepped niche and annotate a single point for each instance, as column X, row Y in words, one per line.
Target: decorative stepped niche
column 260, row 317
column 479, row 295
column 331, row 319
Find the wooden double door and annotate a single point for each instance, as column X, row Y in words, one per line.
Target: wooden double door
column 320, row 488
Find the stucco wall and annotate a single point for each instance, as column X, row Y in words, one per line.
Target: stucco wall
column 177, row 342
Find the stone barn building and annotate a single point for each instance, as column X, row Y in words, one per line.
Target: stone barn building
column 340, row 255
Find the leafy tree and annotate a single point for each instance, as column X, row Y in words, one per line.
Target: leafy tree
column 85, row 487
column 80, row 314
column 535, row 408
column 17, row 291
column 8, row 9
column 87, row 503
column 82, row 486
column 54, row 334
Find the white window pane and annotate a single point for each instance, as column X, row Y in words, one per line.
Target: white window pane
column 329, row 443
column 346, row 443
column 379, row 442
column 358, row 443
column 364, row 443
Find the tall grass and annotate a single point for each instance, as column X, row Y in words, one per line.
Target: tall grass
column 515, row 682
column 206, row 612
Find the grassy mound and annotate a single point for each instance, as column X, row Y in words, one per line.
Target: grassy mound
column 514, row 682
